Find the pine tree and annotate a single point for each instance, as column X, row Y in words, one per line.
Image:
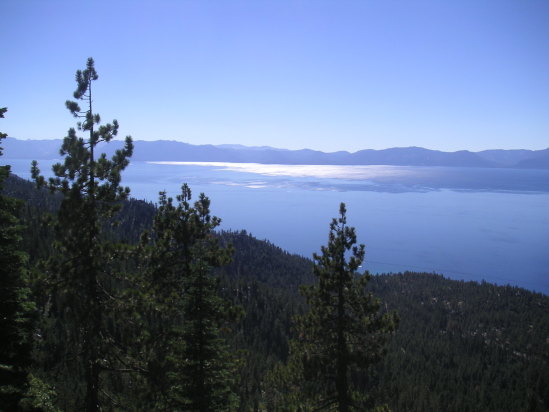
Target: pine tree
column 190, row 364
column 78, row 271
column 343, row 332
column 15, row 306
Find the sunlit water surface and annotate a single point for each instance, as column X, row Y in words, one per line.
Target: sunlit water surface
column 466, row 223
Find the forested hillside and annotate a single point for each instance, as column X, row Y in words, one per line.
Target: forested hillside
column 464, row 346
column 459, row 346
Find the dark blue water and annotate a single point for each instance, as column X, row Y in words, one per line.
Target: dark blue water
column 471, row 224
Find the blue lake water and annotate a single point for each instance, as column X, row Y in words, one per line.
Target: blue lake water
column 465, row 223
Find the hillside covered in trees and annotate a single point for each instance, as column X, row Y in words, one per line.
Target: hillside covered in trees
column 459, row 345
column 109, row 303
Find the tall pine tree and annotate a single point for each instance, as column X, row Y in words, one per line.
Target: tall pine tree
column 341, row 335
column 79, row 269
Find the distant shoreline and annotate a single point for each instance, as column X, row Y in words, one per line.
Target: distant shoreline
column 168, row 150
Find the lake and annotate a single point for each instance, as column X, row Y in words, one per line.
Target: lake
column 466, row 223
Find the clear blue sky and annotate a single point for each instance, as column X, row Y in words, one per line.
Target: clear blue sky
column 327, row 75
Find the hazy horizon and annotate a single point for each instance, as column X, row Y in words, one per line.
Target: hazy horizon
column 285, row 148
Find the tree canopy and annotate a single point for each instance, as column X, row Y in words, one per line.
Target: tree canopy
column 342, row 334
column 77, row 271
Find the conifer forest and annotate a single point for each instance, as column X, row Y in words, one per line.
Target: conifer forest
column 109, row 303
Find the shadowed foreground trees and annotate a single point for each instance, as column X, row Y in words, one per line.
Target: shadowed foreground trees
column 168, row 332
column 459, row 346
column 78, row 272
column 188, row 364
column 341, row 335
column 15, row 306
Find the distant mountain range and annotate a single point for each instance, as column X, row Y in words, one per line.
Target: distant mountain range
column 168, row 150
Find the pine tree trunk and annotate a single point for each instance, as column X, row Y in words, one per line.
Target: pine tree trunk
column 341, row 380
column 92, row 380
column 92, row 349
column 94, row 304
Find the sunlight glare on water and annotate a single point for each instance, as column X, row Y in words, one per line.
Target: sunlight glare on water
column 320, row 171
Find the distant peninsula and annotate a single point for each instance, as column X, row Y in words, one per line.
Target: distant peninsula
column 170, row 150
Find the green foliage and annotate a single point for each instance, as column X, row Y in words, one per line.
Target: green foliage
column 16, row 308
column 264, row 280
column 39, row 397
column 189, row 366
column 460, row 346
column 79, row 270
column 343, row 332
column 464, row 346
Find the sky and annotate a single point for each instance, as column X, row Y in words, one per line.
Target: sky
column 325, row 75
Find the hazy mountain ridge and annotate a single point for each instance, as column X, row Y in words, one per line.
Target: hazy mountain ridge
column 169, row 150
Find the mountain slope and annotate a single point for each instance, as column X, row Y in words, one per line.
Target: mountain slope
column 539, row 161
column 460, row 346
